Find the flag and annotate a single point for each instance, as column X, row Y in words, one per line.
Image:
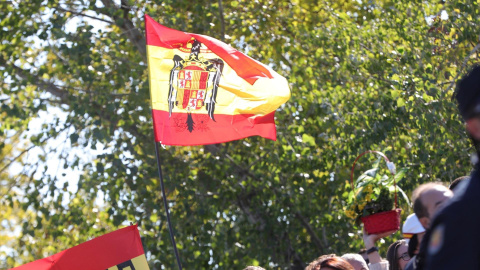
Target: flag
column 203, row 91
column 121, row 249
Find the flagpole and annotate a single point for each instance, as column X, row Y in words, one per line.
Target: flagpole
column 170, row 228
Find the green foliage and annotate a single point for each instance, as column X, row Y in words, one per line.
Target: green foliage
column 364, row 75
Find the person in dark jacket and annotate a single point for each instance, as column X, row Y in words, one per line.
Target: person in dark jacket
column 455, row 230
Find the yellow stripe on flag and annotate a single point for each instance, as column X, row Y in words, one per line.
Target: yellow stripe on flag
column 234, row 96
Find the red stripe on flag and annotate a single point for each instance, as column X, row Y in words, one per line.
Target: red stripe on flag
column 174, row 130
column 99, row 253
column 247, row 68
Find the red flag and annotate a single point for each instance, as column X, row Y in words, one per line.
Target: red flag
column 117, row 250
column 203, row 91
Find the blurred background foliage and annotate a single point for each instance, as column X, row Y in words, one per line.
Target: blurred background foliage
column 76, row 140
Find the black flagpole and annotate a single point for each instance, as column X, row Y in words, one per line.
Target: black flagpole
column 170, row 228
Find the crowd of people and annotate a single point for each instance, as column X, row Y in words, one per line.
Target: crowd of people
column 443, row 232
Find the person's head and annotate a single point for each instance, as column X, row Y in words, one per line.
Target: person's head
column 468, row 100
column 356, row 260
column 254, row 268
column 457, row 181
column 312, row 264
column 428, row 199
column 397, row 255
column 413, row 232
column 333, row 263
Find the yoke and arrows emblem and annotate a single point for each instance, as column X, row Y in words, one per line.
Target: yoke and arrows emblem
column 194, row 83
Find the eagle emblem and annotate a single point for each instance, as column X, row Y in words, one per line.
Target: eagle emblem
column 194, row 84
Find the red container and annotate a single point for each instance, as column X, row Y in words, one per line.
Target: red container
column 382, row 222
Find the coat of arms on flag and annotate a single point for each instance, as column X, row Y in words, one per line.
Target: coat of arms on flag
column 203, row 91
column 194, row 83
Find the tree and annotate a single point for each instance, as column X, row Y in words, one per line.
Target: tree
column 364, row 75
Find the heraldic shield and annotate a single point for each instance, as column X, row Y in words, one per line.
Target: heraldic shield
column 194, row 83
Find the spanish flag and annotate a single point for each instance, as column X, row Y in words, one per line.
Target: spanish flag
column 118, row 250
column 203, row 91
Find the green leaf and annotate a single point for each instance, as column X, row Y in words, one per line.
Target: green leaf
column 308, row 139
column 74, row 138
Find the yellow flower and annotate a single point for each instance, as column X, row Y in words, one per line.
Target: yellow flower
column 361, row 205
column 350, row 214
column 369, row 189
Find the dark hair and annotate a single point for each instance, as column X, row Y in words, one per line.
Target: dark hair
column 392, row 256
column 457, row 181
column 336, row 263
column 412, row 245
column 312, row 264
column 467, row 93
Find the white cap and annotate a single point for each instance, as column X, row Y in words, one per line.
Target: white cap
column 411, row 226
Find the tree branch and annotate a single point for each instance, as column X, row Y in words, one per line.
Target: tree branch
column 84, row 15
column 291, row 253
column 91, row 91
column 46, row 86
column 17, row 157
column 310, row 231
column 222, row 20
column 14, row 183
column 133, row 34
column 253, row 218
column 30, row 148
